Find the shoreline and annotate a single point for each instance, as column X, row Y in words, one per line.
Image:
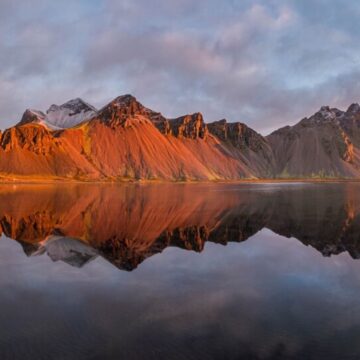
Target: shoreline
column 62, row 181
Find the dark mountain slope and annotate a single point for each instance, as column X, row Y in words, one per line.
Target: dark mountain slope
column 324, row 145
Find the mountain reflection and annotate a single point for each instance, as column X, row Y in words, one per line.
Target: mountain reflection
column 126, row 224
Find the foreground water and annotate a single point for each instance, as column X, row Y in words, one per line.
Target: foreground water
column 141, row 271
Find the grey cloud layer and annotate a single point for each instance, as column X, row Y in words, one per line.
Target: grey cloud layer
column 267, row 63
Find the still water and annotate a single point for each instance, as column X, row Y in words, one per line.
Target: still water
column 200, row 271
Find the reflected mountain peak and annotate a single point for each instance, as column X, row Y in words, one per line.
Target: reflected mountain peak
column 61, row 248
column 71, row 251
column 126, row 224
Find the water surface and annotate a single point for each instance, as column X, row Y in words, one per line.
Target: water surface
column 198, row 271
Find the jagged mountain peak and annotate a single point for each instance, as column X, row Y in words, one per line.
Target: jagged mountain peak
column 76, row 105
column 119, row 110
column 328, row 113
column 57, row 117
column 31, row 115
column 122, row 109
column 229, row 124
column 324, row 116
column 238, row 134
column 197, row 116
column 189, row 126
column 69, row 114
column 353, row 109
column 126, row 101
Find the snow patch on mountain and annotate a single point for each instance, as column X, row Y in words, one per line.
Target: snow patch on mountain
column 67, row 249
column 69, row 114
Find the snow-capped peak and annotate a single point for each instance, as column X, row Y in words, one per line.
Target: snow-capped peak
column 75, row 105
column 60, row 117
column 36, row 117
column 70, row 113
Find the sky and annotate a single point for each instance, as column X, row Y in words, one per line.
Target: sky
column 265, row 63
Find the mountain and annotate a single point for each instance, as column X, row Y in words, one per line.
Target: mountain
column 325, row 145
column 67, row 115
column 125, row 140
column 247, row 145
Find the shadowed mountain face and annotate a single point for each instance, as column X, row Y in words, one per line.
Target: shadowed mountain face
column 127, row 224
column 324, row 145
column 127, row 141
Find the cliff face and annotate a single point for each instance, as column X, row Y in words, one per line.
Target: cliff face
column 189, row 126
column 238, row 135
column 32, row 151
column 32, row 138
column 126, row 140
column 247, row 145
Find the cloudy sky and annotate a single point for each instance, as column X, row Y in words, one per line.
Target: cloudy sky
column 265, row 63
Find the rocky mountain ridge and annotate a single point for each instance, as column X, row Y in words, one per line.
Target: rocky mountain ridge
column 323, row 145
column 125, row 140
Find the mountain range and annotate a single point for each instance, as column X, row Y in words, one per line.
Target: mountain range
column 124, row 140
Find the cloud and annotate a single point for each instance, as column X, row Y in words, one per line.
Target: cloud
column 266, row 63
